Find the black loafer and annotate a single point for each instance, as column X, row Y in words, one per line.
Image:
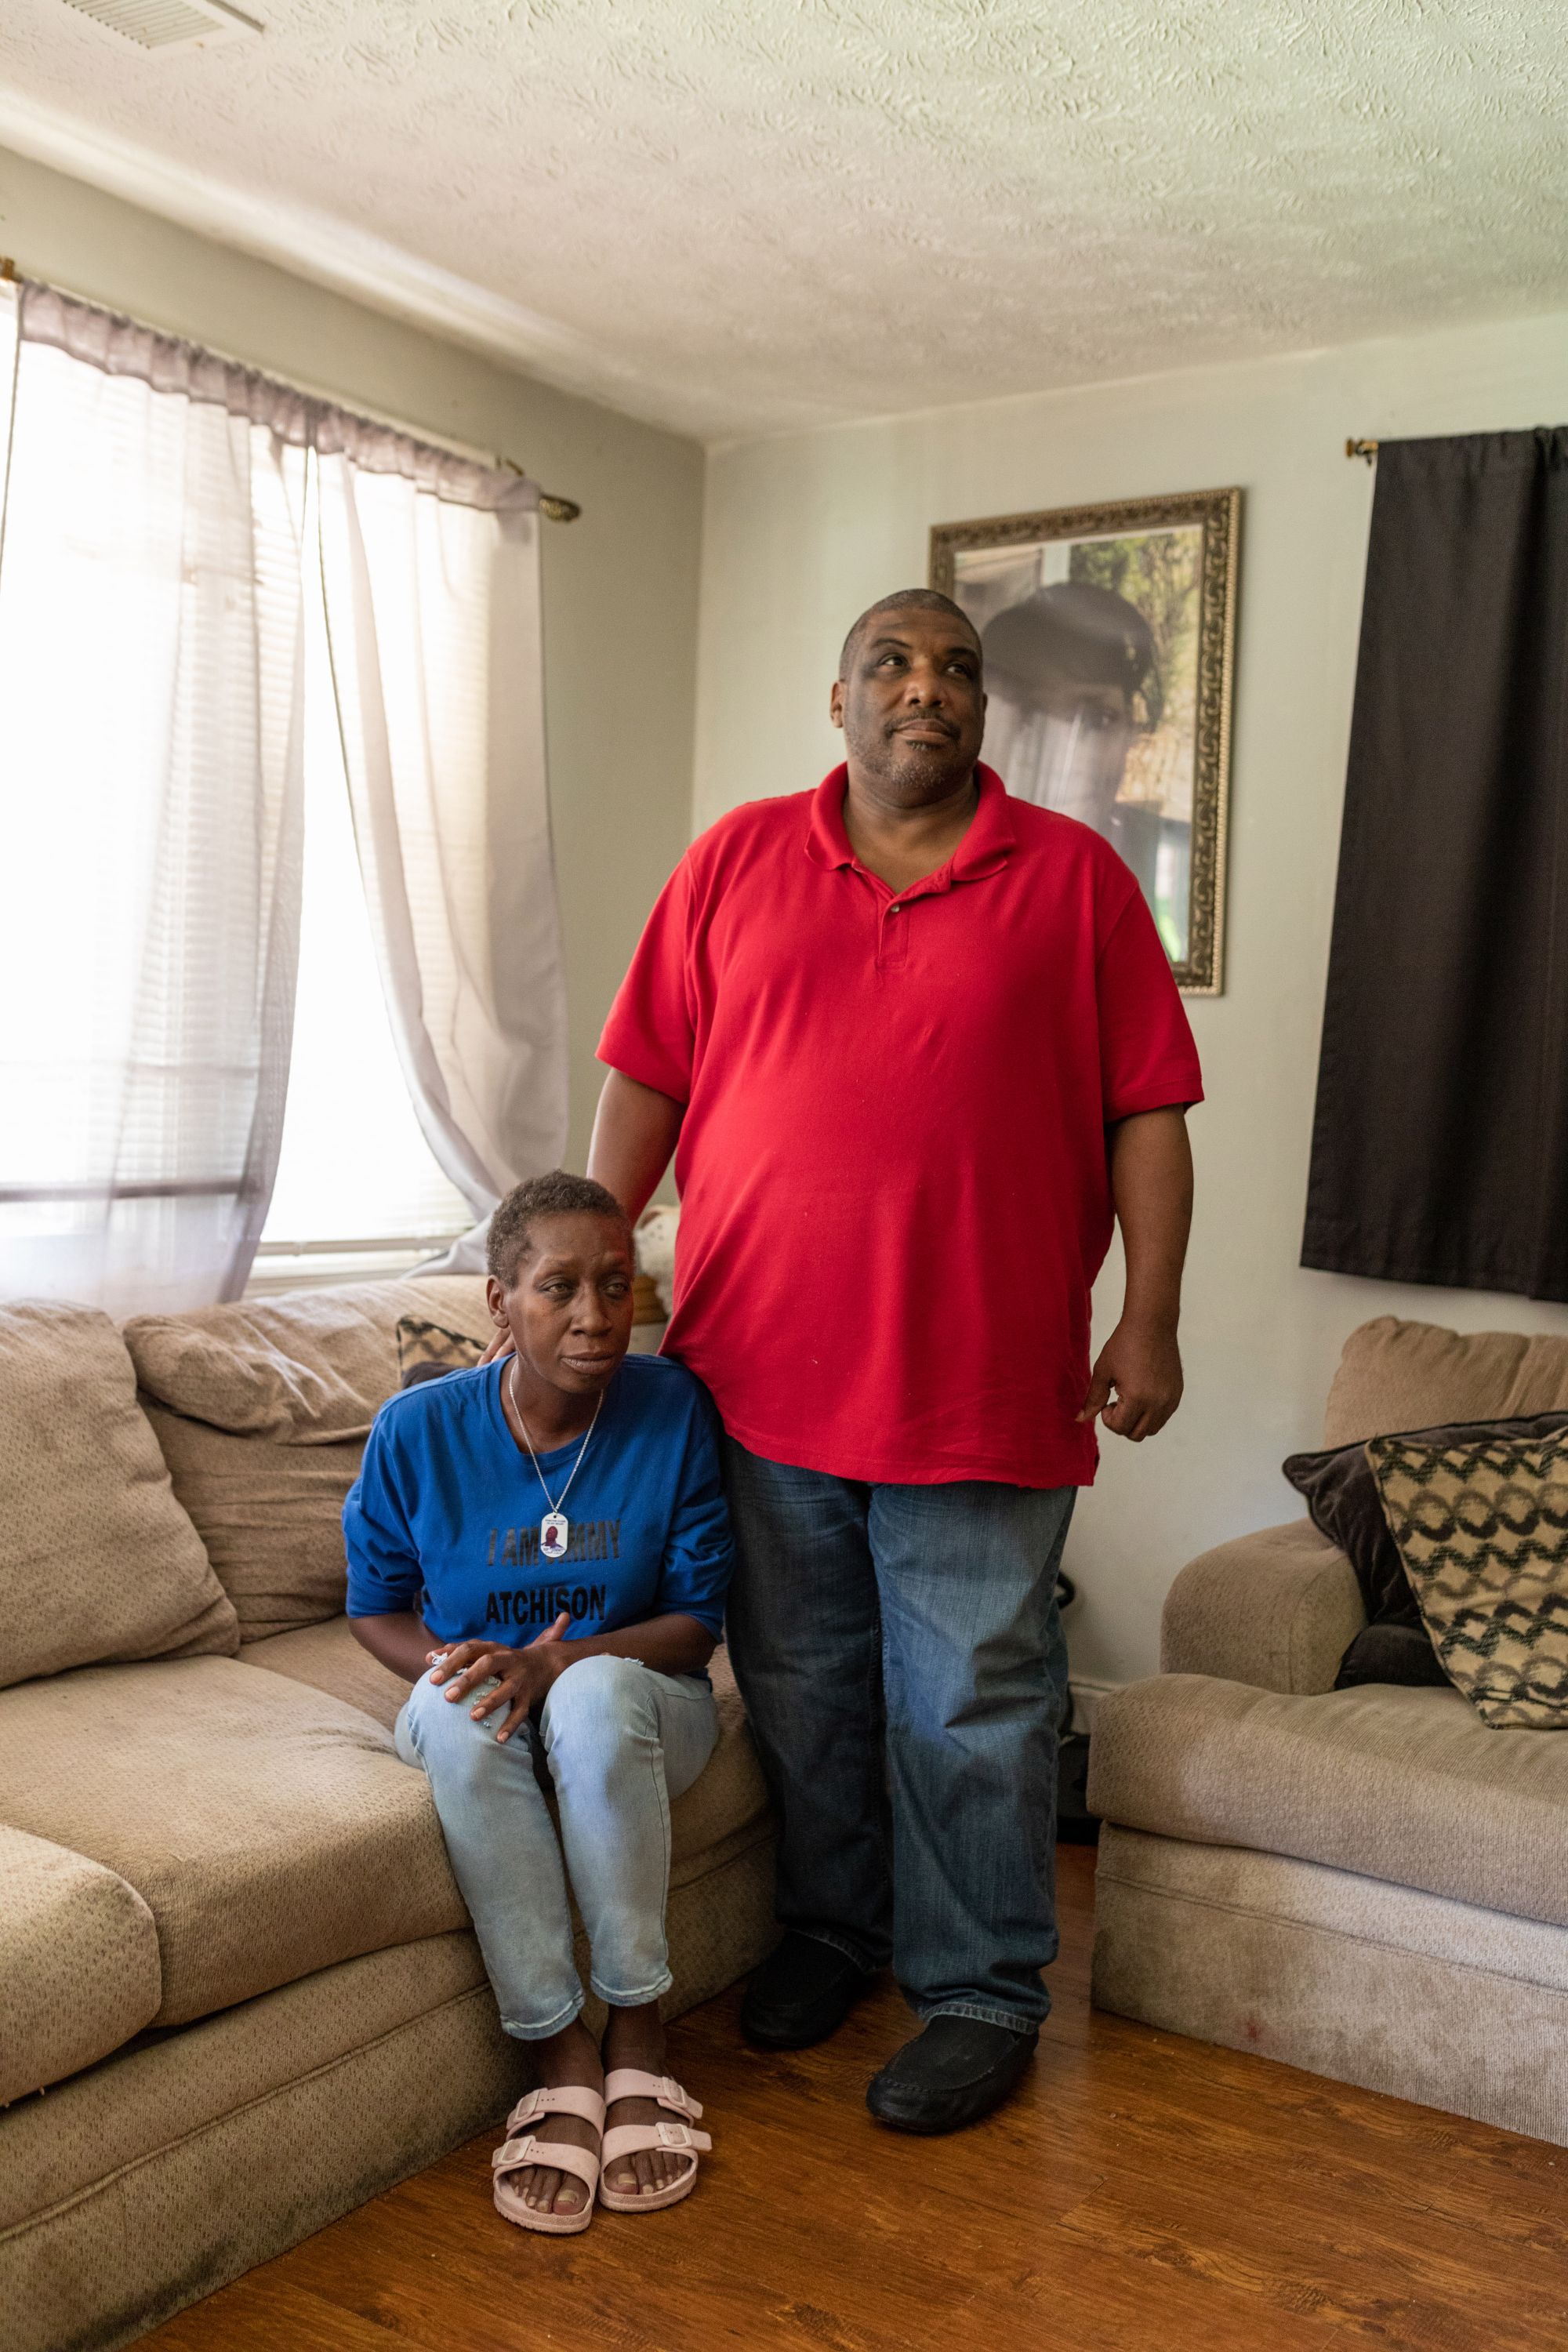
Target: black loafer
column 955, row 2072
column 802, row 1993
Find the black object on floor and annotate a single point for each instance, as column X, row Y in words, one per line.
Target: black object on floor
column 803, row 1992
column 955, row 2072
column 1076, row 1825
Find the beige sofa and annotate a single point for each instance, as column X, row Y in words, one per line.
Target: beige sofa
column 239, row 1991
column 1366, row 1883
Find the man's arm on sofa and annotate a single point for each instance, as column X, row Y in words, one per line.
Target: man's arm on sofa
column 1277, row 1610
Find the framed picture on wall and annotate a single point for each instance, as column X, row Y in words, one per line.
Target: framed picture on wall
column 1108, row 635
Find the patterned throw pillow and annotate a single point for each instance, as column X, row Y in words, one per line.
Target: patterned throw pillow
column 426, row 1350
column 1483, row 1533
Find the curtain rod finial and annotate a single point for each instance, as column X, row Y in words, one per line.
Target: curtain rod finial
column 1367, row 449
column 553, row 509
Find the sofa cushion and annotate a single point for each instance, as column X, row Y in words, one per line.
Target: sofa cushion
column 270, row 1515
column 309, row 1369
column 1394, row 1376
column 98, row 1560
column 1407, row 1785
column 728, row 1797
column 194, row 2156
column 269, row 1829
column 726, row 1802
column 79, row 1960
column 228, row 1391
column 329, row 1659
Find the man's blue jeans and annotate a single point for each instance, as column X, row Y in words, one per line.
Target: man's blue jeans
column 900, row 1655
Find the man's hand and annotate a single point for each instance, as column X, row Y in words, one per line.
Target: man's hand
column 1143, row 1364
column 503, row 1344
column 522, row 1676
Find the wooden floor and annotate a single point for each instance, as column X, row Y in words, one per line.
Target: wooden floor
column 1142, row 2194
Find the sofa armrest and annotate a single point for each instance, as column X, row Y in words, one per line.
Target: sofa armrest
column 1276, row 1610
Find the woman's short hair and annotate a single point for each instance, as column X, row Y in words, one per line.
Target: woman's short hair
column 558, row 1194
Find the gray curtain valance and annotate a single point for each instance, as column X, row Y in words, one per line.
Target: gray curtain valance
column 120, row 347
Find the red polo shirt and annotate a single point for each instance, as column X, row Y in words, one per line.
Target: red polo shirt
column 892, row 1166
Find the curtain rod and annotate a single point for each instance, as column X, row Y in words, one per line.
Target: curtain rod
column 554, row 508
column 1367, row 449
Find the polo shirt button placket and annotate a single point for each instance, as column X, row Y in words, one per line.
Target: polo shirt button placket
column 892, row 936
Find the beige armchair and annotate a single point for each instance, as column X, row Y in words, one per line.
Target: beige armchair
column 1367, row 1883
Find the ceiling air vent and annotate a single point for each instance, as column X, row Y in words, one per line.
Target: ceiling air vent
column 168, row 24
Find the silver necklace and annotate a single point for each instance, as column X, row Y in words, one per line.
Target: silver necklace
column 554, row 1531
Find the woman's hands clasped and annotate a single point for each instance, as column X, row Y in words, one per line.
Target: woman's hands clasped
column 522, row 1677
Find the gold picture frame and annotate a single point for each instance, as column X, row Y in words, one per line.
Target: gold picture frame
column 1110, row 633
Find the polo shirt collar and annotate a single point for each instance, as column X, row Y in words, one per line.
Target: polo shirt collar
column 984, row 849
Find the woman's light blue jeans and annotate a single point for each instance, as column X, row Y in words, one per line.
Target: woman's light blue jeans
column 618, row 1741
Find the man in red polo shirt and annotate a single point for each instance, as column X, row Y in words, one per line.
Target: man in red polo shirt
column 915, row 1044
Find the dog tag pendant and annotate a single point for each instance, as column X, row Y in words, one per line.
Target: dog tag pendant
column 553, row 1531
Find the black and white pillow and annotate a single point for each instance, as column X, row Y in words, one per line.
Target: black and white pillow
column 1340, row 1492
column 428, row 1351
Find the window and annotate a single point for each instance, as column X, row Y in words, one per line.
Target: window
column 221, row 830
column 358, row 1188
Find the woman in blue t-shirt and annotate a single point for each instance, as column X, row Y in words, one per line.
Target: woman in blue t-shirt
column 553, row 1522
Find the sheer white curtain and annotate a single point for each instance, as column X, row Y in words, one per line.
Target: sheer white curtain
column 430, row 582
column 149, row 807
column 159, row 504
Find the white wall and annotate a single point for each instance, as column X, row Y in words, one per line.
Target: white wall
column 801, row 532
column 620, row 584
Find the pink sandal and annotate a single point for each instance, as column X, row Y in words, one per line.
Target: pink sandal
column 631, row 2139
column 514, row 2155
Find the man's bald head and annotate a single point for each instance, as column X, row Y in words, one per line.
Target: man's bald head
column 910, row 700
column 905, row 600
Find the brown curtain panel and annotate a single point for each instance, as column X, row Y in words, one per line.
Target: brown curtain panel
column 1440, row 1146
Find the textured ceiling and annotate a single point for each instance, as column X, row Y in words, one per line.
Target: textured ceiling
column 738, row 216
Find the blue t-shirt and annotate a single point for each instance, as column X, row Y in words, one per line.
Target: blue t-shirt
column 445, row 1514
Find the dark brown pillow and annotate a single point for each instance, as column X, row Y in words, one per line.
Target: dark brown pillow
column 1340, row 1495
column 1391, row 1654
